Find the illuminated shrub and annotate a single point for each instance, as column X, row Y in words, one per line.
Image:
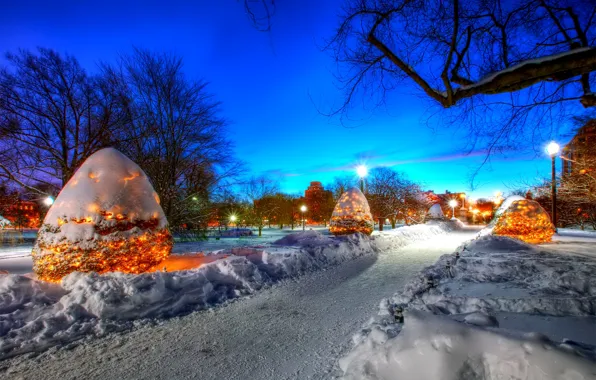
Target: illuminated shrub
column 351, row 214
column 525, row 220
column 107, row 218
column 503, row 207
column 435, row 213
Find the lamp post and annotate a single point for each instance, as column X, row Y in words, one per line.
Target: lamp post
column 362, row 171
column 233, row 220
column 463, row 199
column 453, row 204
column 553, row 149
column 303, row 210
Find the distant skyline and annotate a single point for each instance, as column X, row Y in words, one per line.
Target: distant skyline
column 272, row 87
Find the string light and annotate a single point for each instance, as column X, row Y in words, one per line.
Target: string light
column 351, row 214
column 525, row 220
column 135, row 254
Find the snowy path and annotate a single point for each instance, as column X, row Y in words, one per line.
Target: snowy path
column 295, row 329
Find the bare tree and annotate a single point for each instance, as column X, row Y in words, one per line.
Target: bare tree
column 176, row 133
column 391, row 195
column 506, row 65
column 52, row 117
column 340, row 185
column 257, row 191
column 260, row 13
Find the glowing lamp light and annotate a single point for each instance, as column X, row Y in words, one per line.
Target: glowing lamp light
column 303, row 208
column 552, row 148
column 362, row 171
column 48, row 201
column 233, row 218
column 452, row 203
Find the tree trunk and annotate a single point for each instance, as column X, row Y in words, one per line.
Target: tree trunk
column 260, row 230
column 380, row 224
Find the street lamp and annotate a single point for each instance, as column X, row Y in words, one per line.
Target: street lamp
column 553, row 149
column 463, row 198
column 303, row 210
column 362, row 171
column 48, row 201
column 453, row 204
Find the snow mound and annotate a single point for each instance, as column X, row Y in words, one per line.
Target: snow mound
column 434, row 347
column 435, row 213
column 491, row 244
column 351, row 214
column 107, row 182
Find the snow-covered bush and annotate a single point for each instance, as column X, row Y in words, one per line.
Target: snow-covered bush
column 351, row 214
column 107, row 218
column 525, row 220
column 435, row 213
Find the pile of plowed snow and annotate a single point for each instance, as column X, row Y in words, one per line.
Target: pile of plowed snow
column 496, row 308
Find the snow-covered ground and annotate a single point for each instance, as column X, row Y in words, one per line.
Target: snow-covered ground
column 502, row 309
column 293, row 329
column 35, row 315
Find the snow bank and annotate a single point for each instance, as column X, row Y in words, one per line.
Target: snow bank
column 484, row 283
column 434, row 347
column 36, row 315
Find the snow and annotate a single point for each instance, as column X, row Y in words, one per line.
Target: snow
column 4, row 222
column 435, row 212
column 35, row 315
column 107, row 182
column 491, row 77
column 497, row 308
column 435, row 347
column 294, row 329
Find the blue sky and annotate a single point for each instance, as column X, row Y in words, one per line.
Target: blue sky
column 271, row 85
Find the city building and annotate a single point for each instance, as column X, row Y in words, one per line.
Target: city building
column 579, row 155
column 20, row 213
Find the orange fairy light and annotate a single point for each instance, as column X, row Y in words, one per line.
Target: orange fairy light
column 91, row 229
column 351, row 214
column 525, row 220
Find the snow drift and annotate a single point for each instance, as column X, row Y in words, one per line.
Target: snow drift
column 434, row 347
column 491, row 282
column 35, row 315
